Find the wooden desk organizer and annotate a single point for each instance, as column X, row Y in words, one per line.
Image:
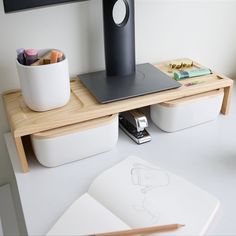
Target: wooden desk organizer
column 83, row 106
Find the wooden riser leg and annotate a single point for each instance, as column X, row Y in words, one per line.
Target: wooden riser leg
column 227, row 99
column 21, row 154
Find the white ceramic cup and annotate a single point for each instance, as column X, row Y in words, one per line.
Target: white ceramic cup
column 45, row 87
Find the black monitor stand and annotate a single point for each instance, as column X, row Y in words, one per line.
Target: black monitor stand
column 122, row 78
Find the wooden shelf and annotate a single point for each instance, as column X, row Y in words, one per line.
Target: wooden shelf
column 83, row 106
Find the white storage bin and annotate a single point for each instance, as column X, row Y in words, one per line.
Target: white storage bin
column 74, row 142
column 186, row 112
column 45, row 87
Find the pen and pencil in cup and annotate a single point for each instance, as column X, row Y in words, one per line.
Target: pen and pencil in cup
column 30, row 57
column 44, row 86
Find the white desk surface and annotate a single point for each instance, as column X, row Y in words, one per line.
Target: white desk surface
column 204, row 154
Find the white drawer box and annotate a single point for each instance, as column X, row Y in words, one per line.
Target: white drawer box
column 70, row 143
column 186, row 112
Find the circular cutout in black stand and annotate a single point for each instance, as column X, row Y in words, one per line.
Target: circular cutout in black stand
column 120, row 79
column 119, row 39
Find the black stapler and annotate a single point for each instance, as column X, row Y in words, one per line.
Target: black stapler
column 133, row 123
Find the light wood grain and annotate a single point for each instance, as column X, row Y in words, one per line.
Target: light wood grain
column 21, row 154
column 227, row 100
column 190, row 99
column 84, row 107
column 69, row 129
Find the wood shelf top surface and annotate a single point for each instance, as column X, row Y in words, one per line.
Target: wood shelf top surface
column 83, row 106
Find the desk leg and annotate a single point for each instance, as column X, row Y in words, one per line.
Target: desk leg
column 21, row 153
column 227, row 99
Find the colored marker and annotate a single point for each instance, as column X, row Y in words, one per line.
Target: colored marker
column 31, row 56
column 191, row 73
column 193, row 83
column 46, row 61
column 54, row 56
column 20, row 55
column 60, row 56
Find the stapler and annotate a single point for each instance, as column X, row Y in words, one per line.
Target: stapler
column 133, row 123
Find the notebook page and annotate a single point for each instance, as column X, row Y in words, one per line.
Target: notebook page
column 142, row 194
column 86, row 216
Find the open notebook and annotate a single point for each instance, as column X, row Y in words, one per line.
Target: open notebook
column 133, row 194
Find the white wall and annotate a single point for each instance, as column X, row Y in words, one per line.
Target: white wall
column 1, row 230
column 201, row 30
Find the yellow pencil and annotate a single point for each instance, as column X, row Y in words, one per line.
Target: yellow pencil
column 140, row 231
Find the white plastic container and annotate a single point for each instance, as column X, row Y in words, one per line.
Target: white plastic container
column 182, row 113
column 45, row 87
column 75, row 142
